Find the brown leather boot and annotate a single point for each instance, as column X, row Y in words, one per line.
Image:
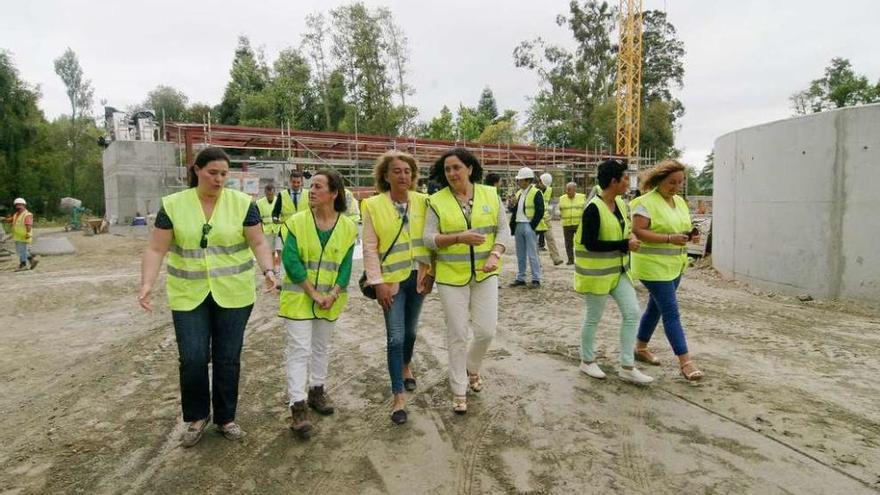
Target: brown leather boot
column 319, row 401
column 299, row 420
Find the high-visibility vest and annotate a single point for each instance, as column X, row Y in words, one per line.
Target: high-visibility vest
column 572, row 209
column 386, row 219
column 660, row 262
column 543, row 225
column 225, row 268
column 351, row 207
column 287, row 207
column 459, row 263
column 19, row 229
column 598, row 272
column 322, row 267
column 529, row 203
column 265, row 207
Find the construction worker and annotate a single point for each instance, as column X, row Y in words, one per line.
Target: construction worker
column 604, row 241
column 318, row 249
column 211, row 232
column 571, row 206
column 525, row 215
column 22, row 234
column 266, row 205
column 544, row 227
column 465, row 226
column 662, row 222
column 397, row 264
column 293, row 200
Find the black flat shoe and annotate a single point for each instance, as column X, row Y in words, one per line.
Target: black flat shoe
column 409, row 384
column 398, row 416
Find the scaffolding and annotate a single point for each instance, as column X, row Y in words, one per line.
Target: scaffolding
column 353, row 156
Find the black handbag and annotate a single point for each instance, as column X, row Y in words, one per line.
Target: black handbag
column 368, row 290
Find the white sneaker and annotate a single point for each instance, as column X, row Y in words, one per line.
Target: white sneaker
column 593, row 370
column 634, row 376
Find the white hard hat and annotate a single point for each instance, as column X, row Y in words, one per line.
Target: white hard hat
column 546, row 179
column 19, row 201
column 525, row 173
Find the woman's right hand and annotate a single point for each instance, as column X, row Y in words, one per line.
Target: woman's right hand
column 678, row 239
column 144, row 299
column 634, row 243
column 471, row 238
column 384, row 295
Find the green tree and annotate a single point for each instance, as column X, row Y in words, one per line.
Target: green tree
column 662, row 61
column 20, row 121
column 167, row 102
column 248, row 75
column 441, row 126
column 80, row 94
column 502, row 132
column 360, row 48
column 258, row 110
column 487, row 106
column 706, row 177
column 198, row 112
column 839, row 87
column 314, row 41
column 334, row 100
column 293, row 93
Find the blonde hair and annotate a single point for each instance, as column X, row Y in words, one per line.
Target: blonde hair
column 652, row 177
column 384, row 161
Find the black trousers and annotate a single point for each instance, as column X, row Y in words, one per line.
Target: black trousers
column 210, row 334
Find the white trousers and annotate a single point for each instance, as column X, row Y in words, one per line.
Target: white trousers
column 477, row 304
column 306, row 355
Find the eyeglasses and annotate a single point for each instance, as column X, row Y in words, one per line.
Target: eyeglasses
column 206, row 229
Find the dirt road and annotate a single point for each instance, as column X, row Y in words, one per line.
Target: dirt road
column 89, row 397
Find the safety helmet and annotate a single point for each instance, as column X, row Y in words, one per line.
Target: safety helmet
column 525, row 173
column 546, row 179
column 18, row 201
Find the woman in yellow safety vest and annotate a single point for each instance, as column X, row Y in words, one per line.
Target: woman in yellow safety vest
column 466, row 226
column 318, row 247
column 604, row 241
column 571, row 208
column 397, row 264
column 210, row 233
column 662, row 222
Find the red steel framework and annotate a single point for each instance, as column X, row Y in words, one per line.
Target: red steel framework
column 333, row 148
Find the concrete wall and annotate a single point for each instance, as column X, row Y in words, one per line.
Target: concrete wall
column 796, row 204
column 136, row 175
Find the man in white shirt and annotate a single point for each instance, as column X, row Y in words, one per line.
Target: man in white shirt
column 523, row 225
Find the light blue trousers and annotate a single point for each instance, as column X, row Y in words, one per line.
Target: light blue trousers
column 625, row 296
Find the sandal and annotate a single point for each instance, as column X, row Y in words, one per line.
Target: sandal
column 475, row 382
column 459, row 404
column 231, row 431
column 193, row 434
column 694, row 376
column 646, row 356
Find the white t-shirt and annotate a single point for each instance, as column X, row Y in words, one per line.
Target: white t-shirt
column 521, row 206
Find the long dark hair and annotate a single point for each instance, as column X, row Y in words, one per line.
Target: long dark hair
column 334, row 184
column 205, row 157
column 438, row 174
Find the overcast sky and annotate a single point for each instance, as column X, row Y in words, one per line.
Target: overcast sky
column 744, row 58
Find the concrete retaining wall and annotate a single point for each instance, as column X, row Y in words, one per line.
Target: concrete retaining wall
column 136, row 175
column 797, row 204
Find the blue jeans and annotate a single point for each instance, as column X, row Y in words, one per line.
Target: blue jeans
column 527, row 249
column 210, row 334
column 662, row 301
column 401, row 322
column 23, row 250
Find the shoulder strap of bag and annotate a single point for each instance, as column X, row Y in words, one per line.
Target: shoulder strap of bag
column 388, row 251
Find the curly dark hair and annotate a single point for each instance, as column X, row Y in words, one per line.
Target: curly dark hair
column 438, row 174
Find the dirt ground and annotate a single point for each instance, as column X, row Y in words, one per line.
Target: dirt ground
column 89, row 397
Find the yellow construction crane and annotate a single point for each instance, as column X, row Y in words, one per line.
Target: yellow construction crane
column 629, row 78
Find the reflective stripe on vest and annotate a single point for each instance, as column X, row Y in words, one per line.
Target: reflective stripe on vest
column 459, row 263
column 598, row 272
column 571, row 209
column 662, row 261
column 19, row 228
column 266, row 208
column 385, row 219
column 225, row 267
column 322, row 266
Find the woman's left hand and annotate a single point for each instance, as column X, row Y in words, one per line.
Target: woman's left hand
column 327, row 302
column 491, row 263
column 269, row 282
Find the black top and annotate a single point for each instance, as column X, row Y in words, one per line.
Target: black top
column 590, row 231
column 163, row 221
